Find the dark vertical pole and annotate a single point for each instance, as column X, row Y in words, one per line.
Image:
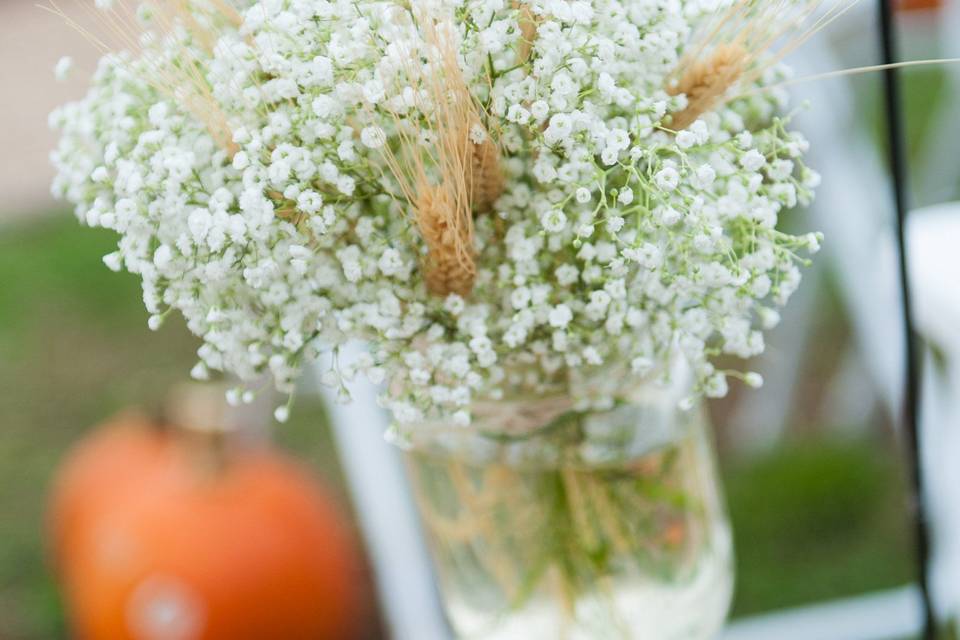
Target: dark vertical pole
column 911, row 390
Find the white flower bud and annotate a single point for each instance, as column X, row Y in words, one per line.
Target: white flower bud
column 753, row 379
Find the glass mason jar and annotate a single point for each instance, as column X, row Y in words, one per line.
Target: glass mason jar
column 549, row 523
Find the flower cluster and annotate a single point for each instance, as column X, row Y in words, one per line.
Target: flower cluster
column 258, row 195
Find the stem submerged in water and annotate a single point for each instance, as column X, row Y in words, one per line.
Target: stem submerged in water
column 516, row 541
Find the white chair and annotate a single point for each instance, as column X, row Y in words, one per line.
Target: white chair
column 388, row 520
column 934, row 255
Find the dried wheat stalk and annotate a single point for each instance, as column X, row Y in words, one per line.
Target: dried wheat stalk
column 184, row 83
column 739, row 45
column 528, row 23
column 706, row 82
column 449, row 266
column 484, row 179
column 444, row 183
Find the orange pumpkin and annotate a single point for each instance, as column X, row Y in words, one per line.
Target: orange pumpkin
column 252, row 550
column 104, row 465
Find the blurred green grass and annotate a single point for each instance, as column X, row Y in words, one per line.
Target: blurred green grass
column 812, row 520
column 816, row 520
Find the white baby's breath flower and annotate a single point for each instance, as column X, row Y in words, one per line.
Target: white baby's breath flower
column 667, row 179
column 63, row 67
column 114, row 261
column 753, row 379
column 553, row 221
column 716, row 386
column 560, row 316
column 233, row 397
column 454, row 304
column 686, row 139
column 705, row 175
column 373, row 137
column 478, row 135
column 200, row 372
column 752, row 160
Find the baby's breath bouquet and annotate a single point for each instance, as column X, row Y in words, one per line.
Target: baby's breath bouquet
column 529, row 211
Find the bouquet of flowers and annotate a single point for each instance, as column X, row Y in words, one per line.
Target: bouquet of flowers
column 526, row 210
column 500, row 198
